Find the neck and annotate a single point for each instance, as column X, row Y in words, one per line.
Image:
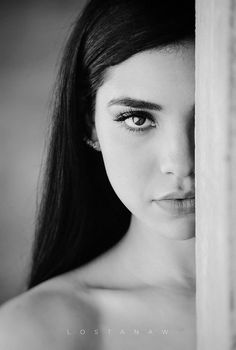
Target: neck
column 157, row 260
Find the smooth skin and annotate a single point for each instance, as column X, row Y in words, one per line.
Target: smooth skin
column 147, row 281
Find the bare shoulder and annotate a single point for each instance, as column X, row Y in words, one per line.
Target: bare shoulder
column 51, row 316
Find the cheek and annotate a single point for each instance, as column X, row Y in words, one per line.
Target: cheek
column 126, row 166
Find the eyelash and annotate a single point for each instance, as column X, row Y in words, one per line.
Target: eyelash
column 122, row 117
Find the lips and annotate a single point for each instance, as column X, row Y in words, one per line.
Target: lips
column 178, row 195
column 177, row 204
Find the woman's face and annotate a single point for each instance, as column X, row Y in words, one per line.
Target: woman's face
column 144, row 121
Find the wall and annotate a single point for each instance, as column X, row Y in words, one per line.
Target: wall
column 215, row 126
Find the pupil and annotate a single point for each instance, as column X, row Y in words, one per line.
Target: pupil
column 138, row 120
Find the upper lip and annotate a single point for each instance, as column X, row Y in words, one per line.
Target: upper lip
column 178, row 195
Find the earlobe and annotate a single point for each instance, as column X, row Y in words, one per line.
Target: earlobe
column 94, row 137
column 93, row 140
column 94, row 144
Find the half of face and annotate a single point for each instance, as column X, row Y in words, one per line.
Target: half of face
column 144, row 121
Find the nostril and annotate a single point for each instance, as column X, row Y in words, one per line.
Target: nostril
column 178, row 168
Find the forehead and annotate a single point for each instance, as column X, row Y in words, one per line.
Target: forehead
column 165, row 75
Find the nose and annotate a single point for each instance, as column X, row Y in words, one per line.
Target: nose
column 178, row 153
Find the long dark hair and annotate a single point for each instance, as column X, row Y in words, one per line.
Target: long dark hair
column 80, row 216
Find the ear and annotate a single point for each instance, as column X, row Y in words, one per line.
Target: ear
column 93, row 140
column 91, row 129
column 94, row 136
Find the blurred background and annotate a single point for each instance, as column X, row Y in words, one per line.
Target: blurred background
column 32, row 36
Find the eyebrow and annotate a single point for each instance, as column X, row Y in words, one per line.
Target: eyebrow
column 134, row 103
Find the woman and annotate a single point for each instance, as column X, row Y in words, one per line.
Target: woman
column 113, row 263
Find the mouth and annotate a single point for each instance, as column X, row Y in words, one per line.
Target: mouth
column 178, row 195
column 177, row 204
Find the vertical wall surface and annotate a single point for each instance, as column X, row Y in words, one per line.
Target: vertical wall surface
column 32, row 35
column 232, row 185
column 216, row 173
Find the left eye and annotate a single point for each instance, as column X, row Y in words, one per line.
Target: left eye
column 136, row 121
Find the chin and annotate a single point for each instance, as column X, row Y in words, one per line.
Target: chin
column 178, row 228
column 180, row 235
column 181, row 229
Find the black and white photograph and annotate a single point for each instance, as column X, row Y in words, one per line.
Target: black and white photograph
column 118, row 175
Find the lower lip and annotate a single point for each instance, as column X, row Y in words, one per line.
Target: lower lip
column 177, row 207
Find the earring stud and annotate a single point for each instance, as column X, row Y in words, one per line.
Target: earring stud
column 94, row 144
